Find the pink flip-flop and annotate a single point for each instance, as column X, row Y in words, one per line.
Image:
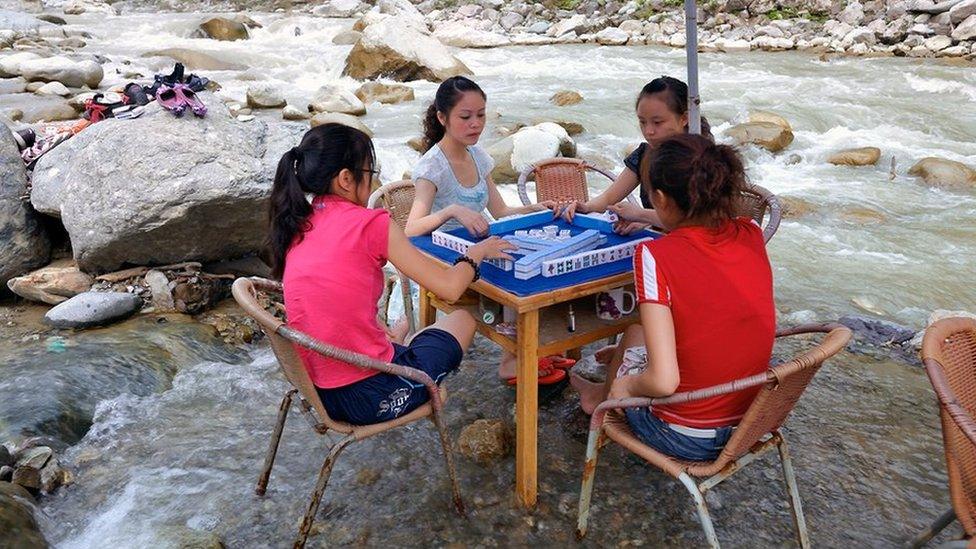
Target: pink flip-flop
column 190, row 99
column 169, row 99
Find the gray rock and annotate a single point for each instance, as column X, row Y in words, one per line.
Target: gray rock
column 24, row 244
column 17, row 517
column 853, row 14
column 965, row 30
column 265, row 95
column 21, row 22
column 36, row 108
column 5, row 457
column 511, row 19
column 51, row 18
column 148, row 206
column 73, row 74
column 6, row 473
column 347, row 38
column 338, row 8
column 291, row 112
column 35, row 458
column 93, row 309
column 962, row 11
column 539, row 27
column 877, row 332
column 12, row 85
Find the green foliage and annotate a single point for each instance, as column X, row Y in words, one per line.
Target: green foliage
column 568, row 5
column 674, row 3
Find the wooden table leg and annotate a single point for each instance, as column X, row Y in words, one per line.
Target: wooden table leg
column 427, row 313
column 527, row 408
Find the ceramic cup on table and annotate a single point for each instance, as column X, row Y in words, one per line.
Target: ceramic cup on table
column 612, row 305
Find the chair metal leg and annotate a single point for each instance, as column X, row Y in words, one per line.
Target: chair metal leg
column 324, row 474
column 706, row 520
column 407, row 303
column 798, row 521
column 933, row 530
column 269, row 458
column 449, row 458
column 593, row 445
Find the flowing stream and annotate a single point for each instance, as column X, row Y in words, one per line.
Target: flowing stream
column 169, row 461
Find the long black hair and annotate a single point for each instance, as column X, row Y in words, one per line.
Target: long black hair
column 310, row 168
column 448, row 94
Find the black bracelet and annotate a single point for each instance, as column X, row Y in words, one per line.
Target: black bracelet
column 469, row 261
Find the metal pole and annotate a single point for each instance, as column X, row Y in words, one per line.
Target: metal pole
column 691, row 49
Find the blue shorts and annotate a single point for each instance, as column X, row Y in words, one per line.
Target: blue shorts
column 658, row 435
column 384, row 397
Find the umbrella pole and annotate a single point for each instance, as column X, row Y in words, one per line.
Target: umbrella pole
column 691, row 49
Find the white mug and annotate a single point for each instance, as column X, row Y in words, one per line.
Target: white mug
column 610, row 305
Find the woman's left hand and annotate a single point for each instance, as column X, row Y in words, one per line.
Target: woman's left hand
column 628, row 212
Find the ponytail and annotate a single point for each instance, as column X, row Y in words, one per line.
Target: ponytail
column 310, row 168
column 433, row 129
column 704, row 179
column 448, row 95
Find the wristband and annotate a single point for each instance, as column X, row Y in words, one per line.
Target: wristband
column 469, row 261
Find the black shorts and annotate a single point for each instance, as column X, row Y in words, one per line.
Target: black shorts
column 384, row 397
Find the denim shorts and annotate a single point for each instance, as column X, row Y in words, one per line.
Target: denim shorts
column 658, row 435
column 384, row 397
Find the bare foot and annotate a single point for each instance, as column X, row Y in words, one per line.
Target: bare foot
column 591, row 393
column 506, row 369
column 605, row 355
column 399, row 330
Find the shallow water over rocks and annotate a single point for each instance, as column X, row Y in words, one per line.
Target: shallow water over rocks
column 865, row 441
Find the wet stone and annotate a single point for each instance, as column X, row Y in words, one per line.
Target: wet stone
column 35, row 458
column 92, row 309
column 28, row 477
column 6, row 473
column 5, row 457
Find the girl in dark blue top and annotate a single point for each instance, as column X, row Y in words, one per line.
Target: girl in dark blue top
column 662, row 111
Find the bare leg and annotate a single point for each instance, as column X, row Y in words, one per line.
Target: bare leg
column 459, row 324
column 398, row 332
column 592, row 394
column 506, row 368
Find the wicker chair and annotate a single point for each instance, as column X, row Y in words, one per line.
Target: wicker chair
column 949, row 355
column 397, row 198
column 283, row 340
column 756, row 202
column 757, row 433
column 560, row 180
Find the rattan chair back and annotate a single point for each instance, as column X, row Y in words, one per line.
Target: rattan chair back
column 396, row 198
column 758, row 203
column 949, row 353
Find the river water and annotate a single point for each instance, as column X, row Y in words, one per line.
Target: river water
column 865, row 437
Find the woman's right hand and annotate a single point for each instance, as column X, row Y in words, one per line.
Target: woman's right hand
column 474, row 222
column 569, row 209
column 493, row 247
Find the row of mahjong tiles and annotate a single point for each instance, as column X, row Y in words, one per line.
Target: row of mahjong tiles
column 550, row 251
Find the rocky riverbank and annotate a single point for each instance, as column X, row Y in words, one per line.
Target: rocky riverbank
column 914, row 28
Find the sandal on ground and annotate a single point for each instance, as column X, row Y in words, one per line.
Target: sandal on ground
column 136, row 94
column 547, row 374
column 170, row 100
column 558, row 362
column 190, row 99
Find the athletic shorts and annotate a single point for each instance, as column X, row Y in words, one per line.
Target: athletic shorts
column 384, row 397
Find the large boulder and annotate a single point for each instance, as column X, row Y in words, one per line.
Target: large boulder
column 501, row 154
column 338, row 8
column 962, row 11
column 765, row 129
column 611, row 36
column 264, row 95
column 943, row 173
column 384, row 93
column 461, row 35
column 331, row 98
column 339, row 118
column 24, row 244
column 863, row 156
column 219, row 28
column 965, row 30
column 73, row 74
column 347, row 38
column 540, row 142
column 393, row 48
column 175, row 189
column 35, row 108
column 52, row 284
column 21, row 22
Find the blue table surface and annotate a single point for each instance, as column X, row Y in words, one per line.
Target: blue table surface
column 538, row 284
